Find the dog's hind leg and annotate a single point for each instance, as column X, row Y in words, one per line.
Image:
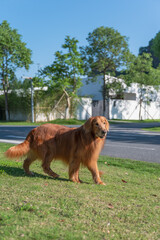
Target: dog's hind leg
column 27, row 163
column 46, row 167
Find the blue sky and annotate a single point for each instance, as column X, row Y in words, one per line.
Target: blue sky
column 44, row 24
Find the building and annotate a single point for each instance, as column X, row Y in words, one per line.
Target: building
column 83, row 109
column 128, row 106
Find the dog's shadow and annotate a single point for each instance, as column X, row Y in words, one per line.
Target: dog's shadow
column 18, row 172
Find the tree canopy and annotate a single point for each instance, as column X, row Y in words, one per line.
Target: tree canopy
column 107, row 51
column 149, row 49
column 141, row 71
column 156, row 45
column 13, row 54
column 65, row 71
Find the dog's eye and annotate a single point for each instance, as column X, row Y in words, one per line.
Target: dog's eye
column 97, row 124
column 104, row 123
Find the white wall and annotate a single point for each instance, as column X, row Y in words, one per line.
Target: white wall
column 83, row 112
column 127, row 109
column 84, row 109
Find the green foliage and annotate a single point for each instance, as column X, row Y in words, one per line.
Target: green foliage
column 57, row 72
column 156, row 45
column 66, row 69
column 71, row 121
column 64, row 73
column 149, row 49
column 19, row 101
column 18, row 98
column 107, row 51
column 141, row 71
column 153, row 129
column 38, row 82
column 13, row 54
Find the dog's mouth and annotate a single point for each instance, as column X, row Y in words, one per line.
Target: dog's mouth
column 102, row 134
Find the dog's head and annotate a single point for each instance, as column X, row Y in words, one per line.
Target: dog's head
column 98, row 126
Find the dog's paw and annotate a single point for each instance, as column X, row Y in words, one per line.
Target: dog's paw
column 31, row 174
column 102, row 183
column 55, row 175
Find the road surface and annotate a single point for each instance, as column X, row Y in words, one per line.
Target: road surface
column 124, row 140
column 130, row 141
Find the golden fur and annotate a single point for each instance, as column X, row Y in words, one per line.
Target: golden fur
column 74, row 146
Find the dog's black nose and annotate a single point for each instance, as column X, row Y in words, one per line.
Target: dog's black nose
column 104, row 132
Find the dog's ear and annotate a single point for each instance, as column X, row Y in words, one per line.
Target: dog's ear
column 88, row 125
column 107, row 125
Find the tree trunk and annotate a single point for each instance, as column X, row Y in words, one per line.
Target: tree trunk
column 140, row 106
column 68, row 106
column 5, row 94
column 104, row 95
column 107, row 109
column 6, row 106
column 140, row 109
column 5, row 85
column 67, row 112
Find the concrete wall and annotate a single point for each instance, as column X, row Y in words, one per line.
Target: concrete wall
column 84, row 109
column 83, row 112
column 127, row 109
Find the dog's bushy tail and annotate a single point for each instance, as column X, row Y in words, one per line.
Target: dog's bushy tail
column 19, row 150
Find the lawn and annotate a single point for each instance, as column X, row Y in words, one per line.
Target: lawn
column 56, row 121
column 136, row 121
column 153, row 129
column 41, row 208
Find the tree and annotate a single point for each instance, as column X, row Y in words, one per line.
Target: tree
column 107, row 52
column 156, row 45
column 64, row 73
column 149, row 49
column 74, row 63
column 141, row 71
column 13, row 54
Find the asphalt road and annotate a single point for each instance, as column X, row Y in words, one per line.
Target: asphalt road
column 124, row 140
column 130, row 141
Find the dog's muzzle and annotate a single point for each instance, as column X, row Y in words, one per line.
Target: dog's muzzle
column 103, row 134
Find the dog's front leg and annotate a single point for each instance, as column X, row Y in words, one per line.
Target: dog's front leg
column 93, row 168
column 74, row 171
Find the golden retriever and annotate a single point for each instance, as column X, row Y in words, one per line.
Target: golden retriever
column 74, row 146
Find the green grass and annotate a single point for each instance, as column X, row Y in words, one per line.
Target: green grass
column 135, row 121
column 57, row 121
column 72, row 122
column 154, row 129
column 39, row 207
